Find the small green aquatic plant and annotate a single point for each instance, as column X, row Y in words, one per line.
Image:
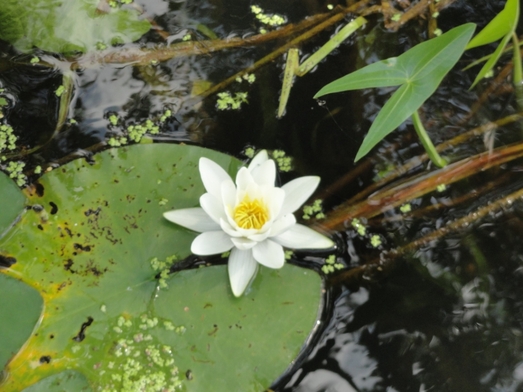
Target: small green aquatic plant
column 503, row 27
column 418, row 73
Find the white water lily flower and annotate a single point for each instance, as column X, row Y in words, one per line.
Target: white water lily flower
column 253, row 219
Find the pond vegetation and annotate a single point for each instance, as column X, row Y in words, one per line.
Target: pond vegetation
column 105, row 107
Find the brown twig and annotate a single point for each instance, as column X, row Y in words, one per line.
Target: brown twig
column 392, row 197
column 387, row 260
column 417, row 160
column 143, row 56
column 423, row 212
column 280, row 51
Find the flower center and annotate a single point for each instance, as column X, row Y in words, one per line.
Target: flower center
column 251, row 214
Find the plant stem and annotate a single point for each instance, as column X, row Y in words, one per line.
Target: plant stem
column 331, row 44
column 426, row 142
column 517, row 77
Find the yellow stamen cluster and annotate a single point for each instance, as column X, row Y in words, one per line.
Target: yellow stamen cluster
column 251, row 214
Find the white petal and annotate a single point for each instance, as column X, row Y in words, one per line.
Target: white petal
column 193, row 218
column 244, row 180
column 297, row 192
column 302, row 237
column 211, row 243
column 213, row 175
column 282, row 224
column 225, row 226
column 228, row 195
column 242, row 269
column 276, row 202
column 260, row 158
column 213, row 207
column 259, row 237
column 269, row 254
column 243, row 243
column 264, row 174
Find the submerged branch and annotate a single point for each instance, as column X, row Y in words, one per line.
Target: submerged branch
column 278, row 52
column 387, row 260
column 389, row 198
column 413, row 162
column 144, row 56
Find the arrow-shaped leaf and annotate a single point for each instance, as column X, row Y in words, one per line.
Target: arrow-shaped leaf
column 419, row 71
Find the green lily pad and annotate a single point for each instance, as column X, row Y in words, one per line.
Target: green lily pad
column 67, row 26
column 66, row 381
column 94, row 252
column 12, row 201
column 16, row 325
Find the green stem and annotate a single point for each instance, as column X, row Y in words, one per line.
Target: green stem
column 517, row 77
column 426, row 142
column 332, row 44
column 293, row 60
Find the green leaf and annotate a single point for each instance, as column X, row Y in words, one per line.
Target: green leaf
column 385, row 73
column 67, row 26
column 20, row 310
column 419, row 71
column 493, row 59
column 93, row 254
column 503, row 24
column 12, row 201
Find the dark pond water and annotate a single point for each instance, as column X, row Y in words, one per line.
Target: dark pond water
column 447, row 316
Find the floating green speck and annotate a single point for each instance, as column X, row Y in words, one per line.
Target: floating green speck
column 375, row 240
column 358, row 226
column 405, row 208
column 59, row 91
column 226, row 101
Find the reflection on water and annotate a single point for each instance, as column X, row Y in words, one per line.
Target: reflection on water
column 448, row 317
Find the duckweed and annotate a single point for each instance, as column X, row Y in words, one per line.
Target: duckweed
column 250, row 78
column 163, row 268
column 268, row 19
column 141, row 363
column 227, row 102
column 375, row 240
column 249, row 152
column 405, row 208
column 7, row 138
column 313, row 210
column 331, row 265
column 113, row 119
column 59, row 91
column 358, row 226
column 283, row 161
column 396, row 17
column 14, row 169
column 441, row 188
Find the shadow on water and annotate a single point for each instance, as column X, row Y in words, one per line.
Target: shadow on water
column 447, row 317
